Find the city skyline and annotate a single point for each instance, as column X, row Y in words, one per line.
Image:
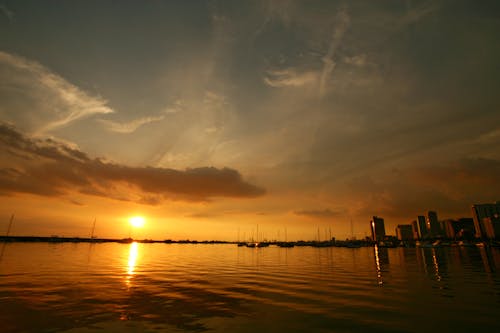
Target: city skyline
column 484, row 216
column 207, row 118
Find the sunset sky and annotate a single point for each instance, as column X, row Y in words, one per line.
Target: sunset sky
column 212, row 117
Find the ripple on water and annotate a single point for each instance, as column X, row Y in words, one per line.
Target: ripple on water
column 225, row 288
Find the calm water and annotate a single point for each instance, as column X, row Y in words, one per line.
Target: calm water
column 223, row 288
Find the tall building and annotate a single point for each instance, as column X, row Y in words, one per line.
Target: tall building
column 449, row 228
column 491, row 227
column 378, row 228
column 414, row 229
column 423, row 232
column 404, row 232
column 482, row 211
column 433, row 223
column 462, row 228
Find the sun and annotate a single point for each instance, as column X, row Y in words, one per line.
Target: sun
column 137, row 221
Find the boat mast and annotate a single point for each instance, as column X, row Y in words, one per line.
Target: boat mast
column 93, row 228
column 10, row 225
column 352, row 231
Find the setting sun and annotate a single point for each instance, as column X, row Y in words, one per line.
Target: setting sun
column 137, row 221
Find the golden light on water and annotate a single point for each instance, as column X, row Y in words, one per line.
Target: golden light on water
column 132, row 258
column 377, row 262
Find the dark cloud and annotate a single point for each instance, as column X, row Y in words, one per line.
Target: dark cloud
column 51, row 168
column 7, row 13
column 319, row 214
column 448, row 188
column 203, row 215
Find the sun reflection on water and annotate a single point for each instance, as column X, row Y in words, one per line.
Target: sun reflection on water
column 379, row 269
column 132, row 259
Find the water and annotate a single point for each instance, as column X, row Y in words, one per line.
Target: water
column 223, row 288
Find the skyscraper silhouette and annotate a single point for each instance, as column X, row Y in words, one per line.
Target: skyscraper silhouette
column 378, row 228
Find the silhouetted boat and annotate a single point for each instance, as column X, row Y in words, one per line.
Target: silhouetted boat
column 125, row 240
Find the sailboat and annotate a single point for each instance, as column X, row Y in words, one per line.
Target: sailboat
column 286, row 243
column 352, row 243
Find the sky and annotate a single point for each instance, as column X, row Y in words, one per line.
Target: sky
column 214, row 118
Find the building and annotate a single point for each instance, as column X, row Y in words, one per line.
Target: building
column 491, row 227
column 404, row 232
column 449, row 228
column 414, row 227
column 423, row 232
column 462, row 228
column 482, row 211
column 378, row 228
column 433, row 224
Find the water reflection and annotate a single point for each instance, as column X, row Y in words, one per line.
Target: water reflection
column 132, row 259
column 377, row 263
column 490, row 258
column 495, row 255
column 435, row 265
column 186, row 288
column 2, row 250
column 381, row 261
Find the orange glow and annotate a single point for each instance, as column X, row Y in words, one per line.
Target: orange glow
column 137, row 221
column 132, row 258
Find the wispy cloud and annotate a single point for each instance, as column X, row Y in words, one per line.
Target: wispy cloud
column 341, row 25
column 50, row 168
column 131, row 126
column 49, row 100
column 357, row 60
column 7, row 12
column 318, row 213
column 290, row 78
column 417, row 13
column 489, row 137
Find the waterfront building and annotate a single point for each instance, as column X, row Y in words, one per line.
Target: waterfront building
column 414, row 229
column 423, row 232
column 378, row 228
column 404, row 232
column 449, row 228
column 464, row 228
column 491, row 227
column 433, row 224
column 482, row 211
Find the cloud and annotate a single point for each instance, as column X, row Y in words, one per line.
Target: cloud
column 176, row 107
column 357, row 60
column 41, row 100
column 469, row 175
column 448, row 188
column 50, row 168
column 318, row 214
column 417, row 13
column 341, row 25
column 7, row 12
column 130, row 126
column 290, row 78
column 489, row 137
